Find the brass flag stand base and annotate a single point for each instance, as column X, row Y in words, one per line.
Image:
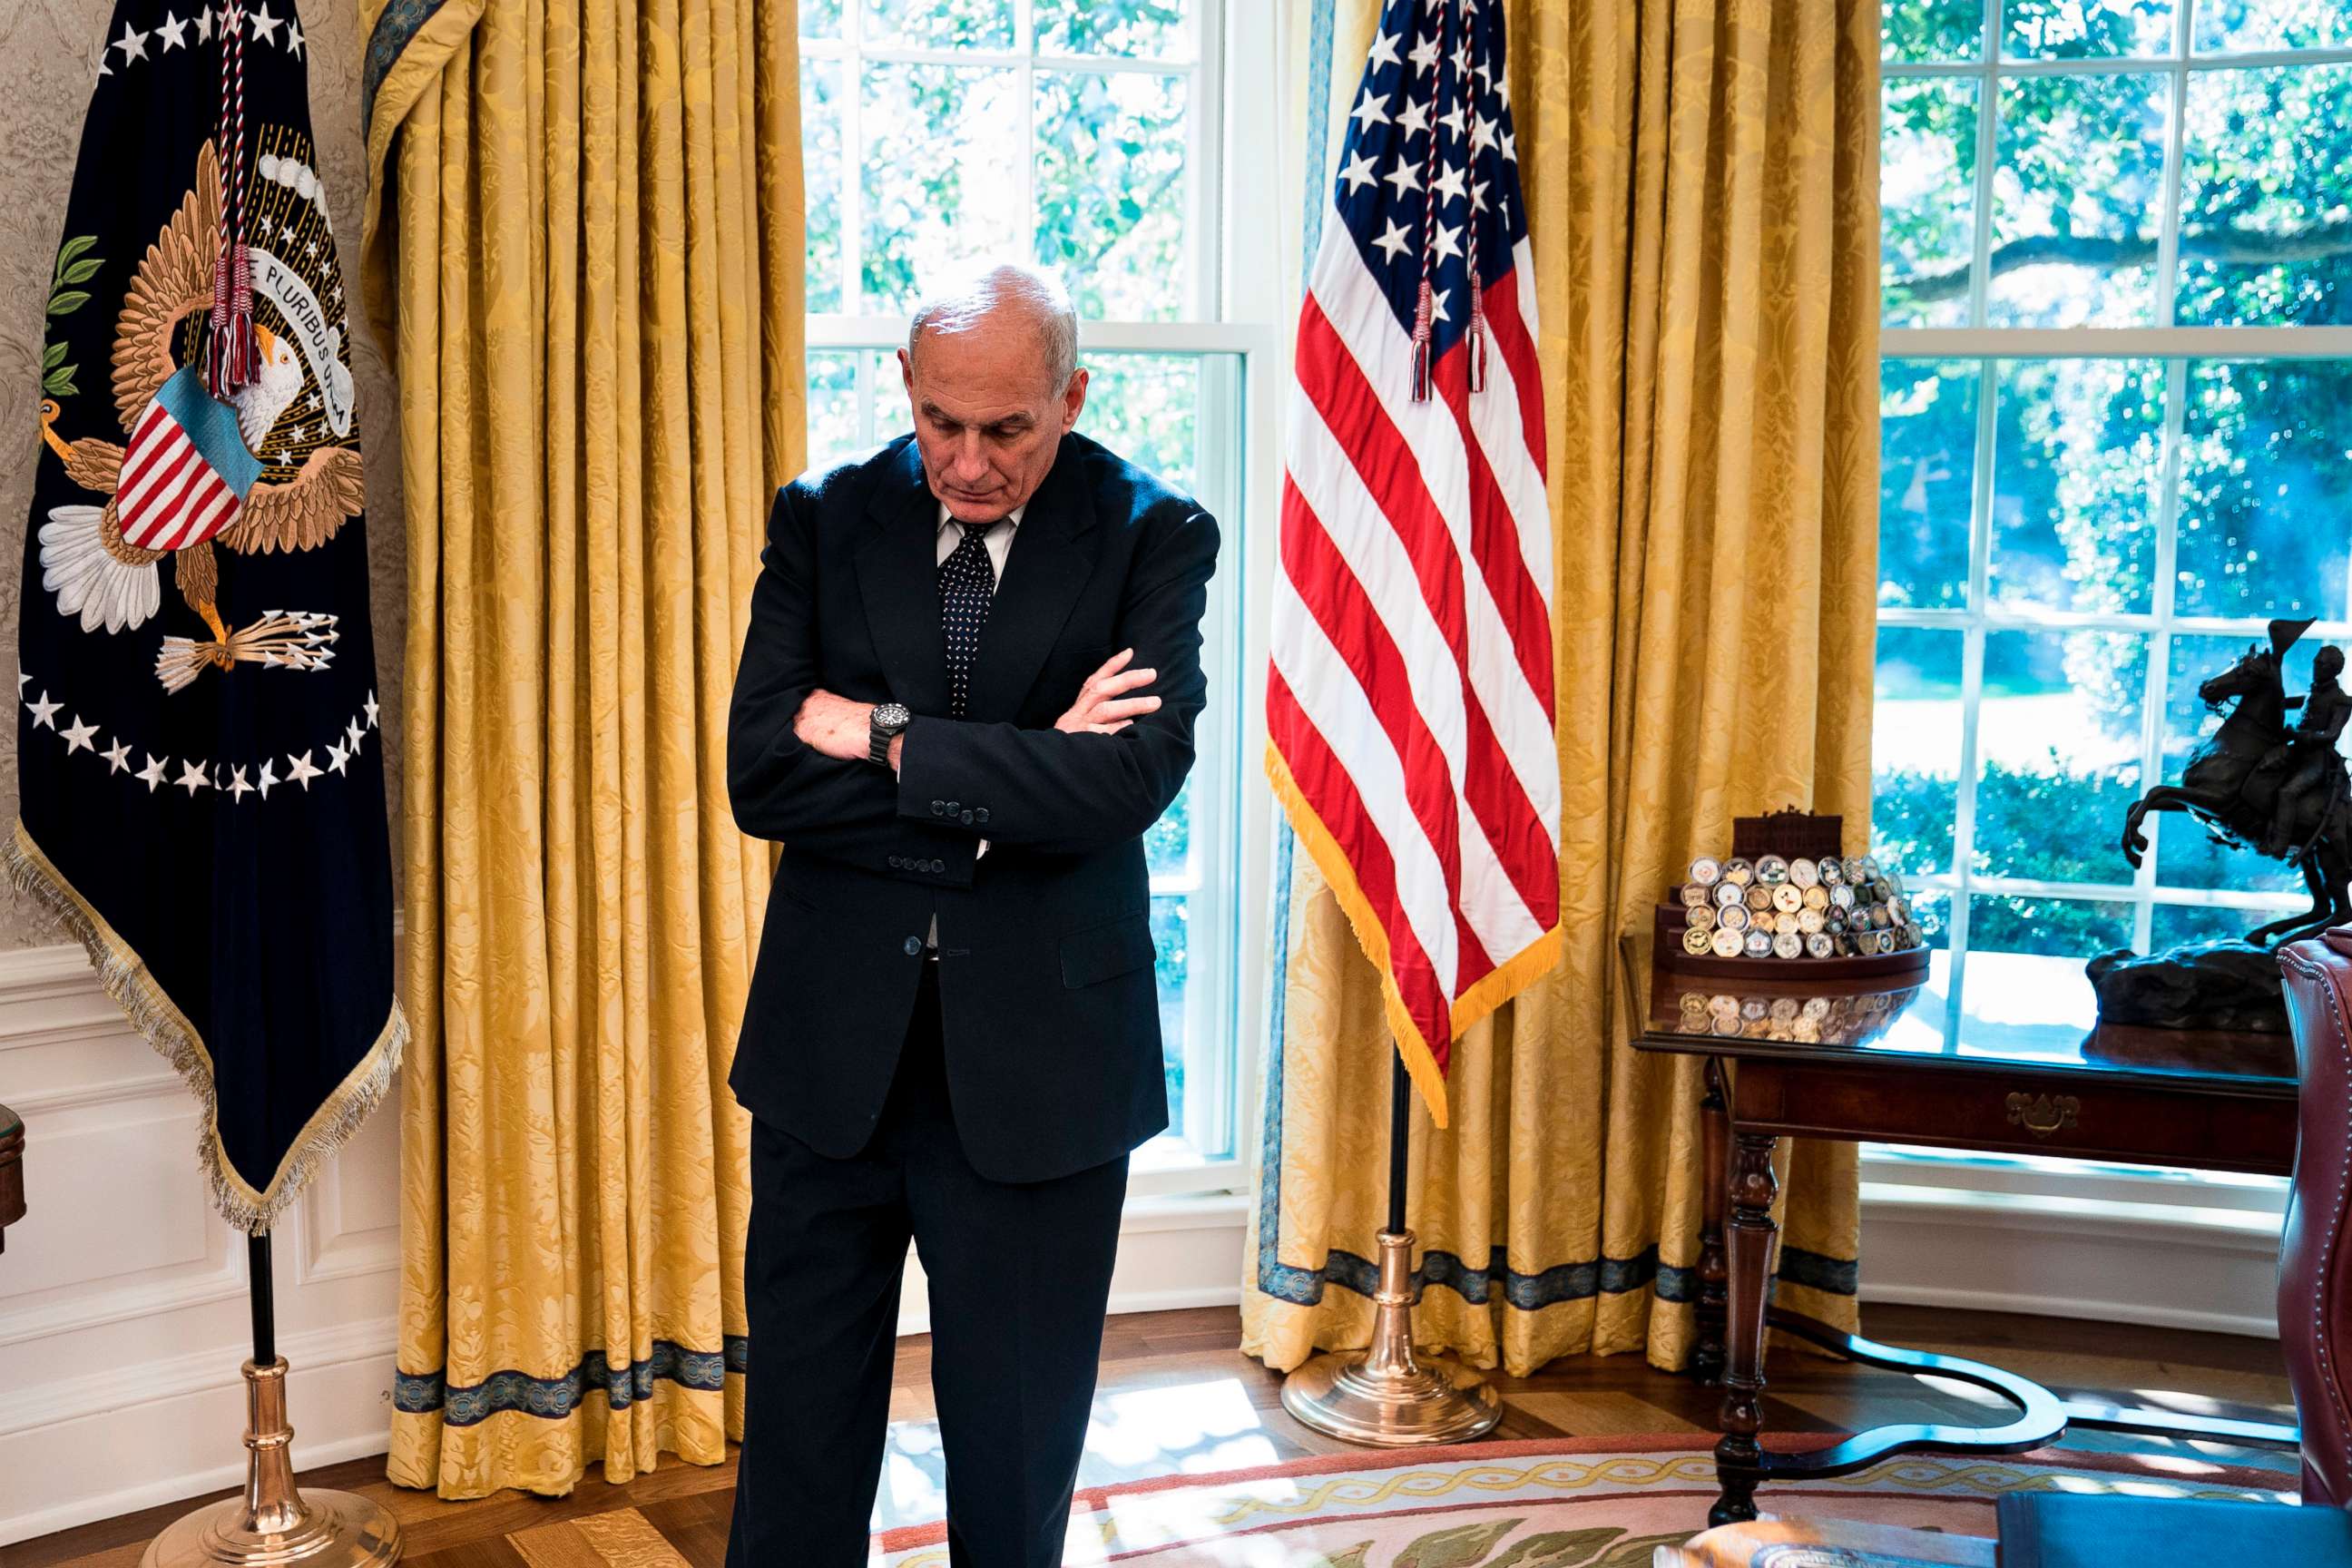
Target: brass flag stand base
column 273, row 1522
column 1382, row 1397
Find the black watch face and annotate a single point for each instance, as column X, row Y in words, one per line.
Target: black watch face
column 892, row 716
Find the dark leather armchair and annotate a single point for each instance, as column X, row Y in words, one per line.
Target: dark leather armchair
column 2314, row 1300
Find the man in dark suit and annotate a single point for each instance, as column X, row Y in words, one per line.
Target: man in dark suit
column 952, row 1034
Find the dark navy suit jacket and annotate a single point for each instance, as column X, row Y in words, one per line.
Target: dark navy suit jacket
column 1048, row 1007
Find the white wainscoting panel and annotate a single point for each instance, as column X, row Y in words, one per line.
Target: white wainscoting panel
column 124, row 1309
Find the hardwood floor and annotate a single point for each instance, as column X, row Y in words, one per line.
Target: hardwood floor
column 1175, row 1395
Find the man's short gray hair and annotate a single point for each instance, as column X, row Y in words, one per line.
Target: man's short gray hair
column 960, row 305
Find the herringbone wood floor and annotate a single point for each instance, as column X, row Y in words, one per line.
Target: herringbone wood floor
column 1175, row 1380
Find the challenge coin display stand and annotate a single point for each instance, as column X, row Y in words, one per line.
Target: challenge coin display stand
column 1785, row 905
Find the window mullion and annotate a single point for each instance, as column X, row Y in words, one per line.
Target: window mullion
column 853, row 159
column 1024, row 45
column 2168, row 243
column 1988, row 150
column 1972, row 657
column 2160, row 652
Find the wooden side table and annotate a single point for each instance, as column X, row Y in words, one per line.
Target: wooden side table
column 2207, row 1101
column 12, row 1172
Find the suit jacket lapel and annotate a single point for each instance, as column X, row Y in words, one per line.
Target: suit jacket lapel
column 897, row 576
column 1050, row 560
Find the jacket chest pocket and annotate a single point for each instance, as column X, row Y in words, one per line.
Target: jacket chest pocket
column 1098, row 953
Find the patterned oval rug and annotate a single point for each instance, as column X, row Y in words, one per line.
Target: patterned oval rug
column 1602, row 1502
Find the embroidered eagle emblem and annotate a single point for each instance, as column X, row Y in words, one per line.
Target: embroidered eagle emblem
column 110, row 580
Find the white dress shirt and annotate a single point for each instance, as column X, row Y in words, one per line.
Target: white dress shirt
column 998, row 544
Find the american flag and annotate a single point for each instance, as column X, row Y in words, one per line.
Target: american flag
column 1410, row 701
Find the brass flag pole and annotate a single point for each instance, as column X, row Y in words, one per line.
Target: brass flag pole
column 272, row 1521
column 1383, row 1395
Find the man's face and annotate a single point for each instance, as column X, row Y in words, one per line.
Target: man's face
column 988, row 419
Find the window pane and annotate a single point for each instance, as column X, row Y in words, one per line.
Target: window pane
column 2187, row 855
column 2079, row 29
column 1110, row 191
column 2076, row 470
column 942, row 179
column 2025, row 990
column 1915, row 747
column 832, row 422
column 2272, row 25
column 1147, row 408
column 1914, row 31
column 2077, row 200
column 820, row 18
column 2265, row 489
column 1168, row 847
column 1170, row 931
column 1153, row 29
column 2058, row 741
column 1928, row 437
column 940, row 24
column 1927, row 184
column 1932, row 912
column 892, row 416
column 2169, row 925
column 822, row 101
column 2265, row 174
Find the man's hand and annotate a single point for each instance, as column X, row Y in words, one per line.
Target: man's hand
column 1103, row 706
column 837, row 727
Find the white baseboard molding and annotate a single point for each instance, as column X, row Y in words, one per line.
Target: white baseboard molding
column 107, row 1444
column 2102, row 1259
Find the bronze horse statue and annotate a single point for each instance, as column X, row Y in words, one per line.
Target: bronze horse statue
column 2236, row 781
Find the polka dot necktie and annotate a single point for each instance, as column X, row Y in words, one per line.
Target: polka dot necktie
column 966, row 582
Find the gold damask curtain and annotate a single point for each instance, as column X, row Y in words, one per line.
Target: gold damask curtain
column 583, row 243
column 1702, row 183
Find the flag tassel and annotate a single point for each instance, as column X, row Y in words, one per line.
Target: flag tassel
column 1421, row 334
column 232, row 363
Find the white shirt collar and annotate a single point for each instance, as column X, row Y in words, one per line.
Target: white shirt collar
column 1012, row 520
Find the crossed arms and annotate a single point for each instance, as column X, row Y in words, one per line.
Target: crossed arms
column 796, row 767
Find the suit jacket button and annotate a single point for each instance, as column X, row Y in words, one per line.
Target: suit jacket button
column 939, row 808
column 896, row 861
column 968, row 817
column 953, row 808
column 938, row 866
column 979, row 814
column 914, row 946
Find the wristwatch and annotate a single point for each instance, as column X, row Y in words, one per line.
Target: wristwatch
column 889, row 719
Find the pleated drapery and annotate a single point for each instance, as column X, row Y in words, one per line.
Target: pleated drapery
column 1701, row 181
column 585, row 246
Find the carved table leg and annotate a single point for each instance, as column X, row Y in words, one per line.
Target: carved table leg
column 1739, row 1458
column 1715, row 1124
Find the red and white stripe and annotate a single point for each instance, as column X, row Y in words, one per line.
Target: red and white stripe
column 1410, row 699
column 169, row 497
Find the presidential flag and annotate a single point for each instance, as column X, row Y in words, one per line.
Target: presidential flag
column 199, row 753
column 1410, row 703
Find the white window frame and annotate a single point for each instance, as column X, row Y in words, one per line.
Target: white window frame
column 2174, row 347
column 1233, row 101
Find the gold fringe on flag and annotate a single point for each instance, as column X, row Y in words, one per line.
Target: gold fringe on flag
column 134, row 989
column 1514, row 975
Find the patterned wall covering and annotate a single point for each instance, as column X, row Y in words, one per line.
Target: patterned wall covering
column 49, row 57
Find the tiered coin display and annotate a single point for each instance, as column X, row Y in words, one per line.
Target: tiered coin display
column 1772, row 907
column 1815, row 1020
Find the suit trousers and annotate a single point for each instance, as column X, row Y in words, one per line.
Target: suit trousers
column 1019, row 1277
